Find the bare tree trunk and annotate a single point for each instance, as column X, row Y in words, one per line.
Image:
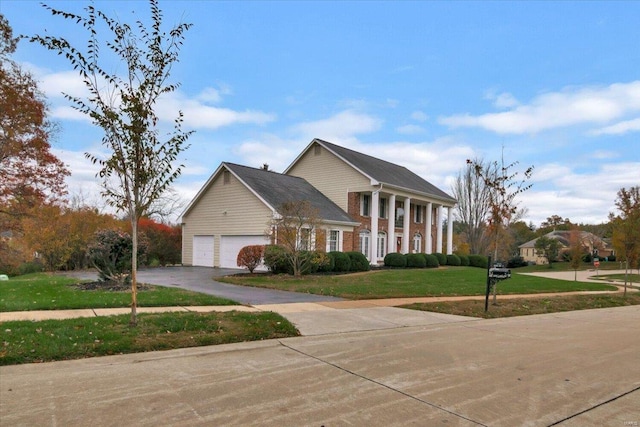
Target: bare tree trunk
column 134, row 272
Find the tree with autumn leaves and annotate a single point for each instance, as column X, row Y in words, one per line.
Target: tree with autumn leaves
column 626, row 228
column 32, row 178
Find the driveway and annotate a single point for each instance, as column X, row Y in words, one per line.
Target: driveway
column 202, row 279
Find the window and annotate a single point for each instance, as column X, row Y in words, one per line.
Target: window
column 382, row 244
column 383, row 208
column 365, row 237
column 333, row 242
column 365, row 205
column 418, row 214
column 305, row 239
column 226, row 177
column 417, row 243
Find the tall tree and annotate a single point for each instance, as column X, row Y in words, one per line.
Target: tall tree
column 626, row 228
column 504, row 186
column 30, row 174
column 141, row 166
column 576, row 250
column 547, row 247
column 473, row 207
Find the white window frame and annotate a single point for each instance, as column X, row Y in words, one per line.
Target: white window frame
column 365, row 240
column 337, row 240
column 417, row 243
column 384, row 208
column 382, row 244
column 310, row 242
column 366, row 197
column 418, row 217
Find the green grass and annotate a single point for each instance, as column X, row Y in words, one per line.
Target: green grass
column 444, row 281
column 620, row 278
column 528, row 306
column 565, row 266
column 42, row 291
column 29, row 342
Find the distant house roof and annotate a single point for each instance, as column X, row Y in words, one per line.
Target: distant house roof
column 275, row 189
column 384, row 172
column 563, row 236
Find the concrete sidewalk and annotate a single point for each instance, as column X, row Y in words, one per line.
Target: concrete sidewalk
column 569, row 369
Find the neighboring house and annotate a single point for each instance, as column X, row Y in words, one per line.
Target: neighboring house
column 590, row 243
column 234, row 208
column 365, row 204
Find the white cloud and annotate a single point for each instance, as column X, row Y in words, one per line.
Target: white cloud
column 339, row 127
column 619, row 128
column 213, row 95
column 419, row 116
column 572, row 106
column 410, row 129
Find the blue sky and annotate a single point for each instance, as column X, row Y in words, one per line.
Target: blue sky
column 422, row 84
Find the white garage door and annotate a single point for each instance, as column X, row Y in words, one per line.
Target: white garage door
column 231, row 245
column 203, row 251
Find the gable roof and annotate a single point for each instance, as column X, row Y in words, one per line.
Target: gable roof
column 381, row 171
column 274, row 189
column 564, row 237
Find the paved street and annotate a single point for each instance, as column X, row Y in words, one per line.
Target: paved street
column 575, row 369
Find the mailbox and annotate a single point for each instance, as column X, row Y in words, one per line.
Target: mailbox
column 499, row 272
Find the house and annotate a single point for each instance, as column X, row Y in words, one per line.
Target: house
column 590, row 243
column 366, row 204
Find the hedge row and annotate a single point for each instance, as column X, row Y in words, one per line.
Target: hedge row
column 277, row 262
column 398, row 260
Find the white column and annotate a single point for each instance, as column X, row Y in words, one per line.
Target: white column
column 449, row 230
column 439, row 230
column 391, row 233
column 428, row 246
column 373, row 243
column 405, row 225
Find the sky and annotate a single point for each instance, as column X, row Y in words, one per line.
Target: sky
column 426, row 85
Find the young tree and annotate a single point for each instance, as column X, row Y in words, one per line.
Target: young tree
column 293, row 228
column 576, row 250
column 30, row 175
column 626, row 228
column 504, row 187
column 548, row 248
column 473, row 207
column 141, row 166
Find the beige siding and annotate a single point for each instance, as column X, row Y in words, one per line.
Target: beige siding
column 330, row 175
column 229, row 209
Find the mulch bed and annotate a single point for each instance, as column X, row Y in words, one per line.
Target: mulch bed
column 109, row 285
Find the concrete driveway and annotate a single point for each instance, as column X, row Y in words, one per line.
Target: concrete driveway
column 202, row 279
column 569, row 369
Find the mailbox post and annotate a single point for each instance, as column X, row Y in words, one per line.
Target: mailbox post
column 495, row 273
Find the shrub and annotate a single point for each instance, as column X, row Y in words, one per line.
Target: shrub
column 312, row 261
column 395, row 259
column 342, row 261
column 587, row 258
column 453, row 260
column 416, row 261
column 431, row 261
column 250, row 257
column 479, row 261
column 442, row 258
column 330, row 263
column 359, row 262
column 30, row 267
column 611, row 258
column 110, row 253
column 464, row 260
column 516, row 262
column 276, row 261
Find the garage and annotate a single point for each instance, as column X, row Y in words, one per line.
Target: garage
column 231, row 245
column 203, row 251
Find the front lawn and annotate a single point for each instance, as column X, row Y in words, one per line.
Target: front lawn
column 633, row 279
column 399, row 283
column 524, row 307
column 42, row 291
column 29, row 342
